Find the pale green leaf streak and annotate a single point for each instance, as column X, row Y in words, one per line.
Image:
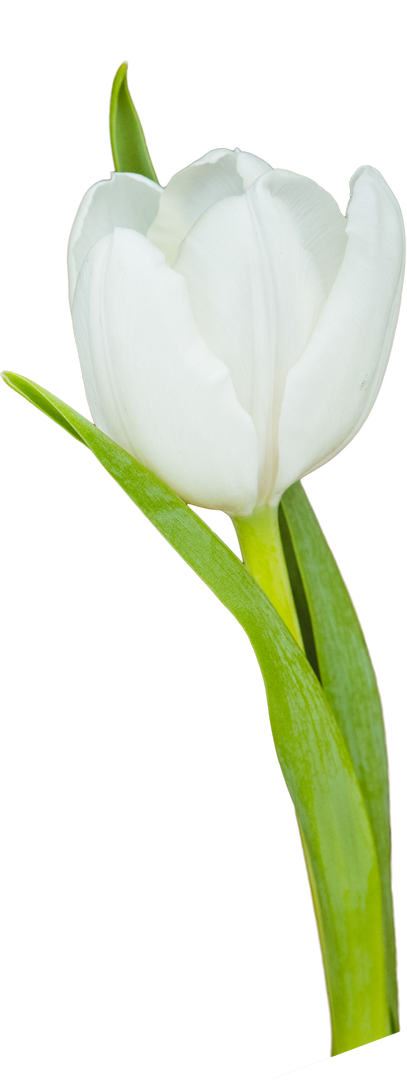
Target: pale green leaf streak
column 349, row 683
column 312, row 753
column 129, row 147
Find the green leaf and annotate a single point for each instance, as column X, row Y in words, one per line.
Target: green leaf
column 338, row 840
column 349, row 683
column 129, row 147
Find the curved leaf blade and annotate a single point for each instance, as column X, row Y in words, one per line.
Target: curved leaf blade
column 338, row 840
column 129, row 147
column 349, row 683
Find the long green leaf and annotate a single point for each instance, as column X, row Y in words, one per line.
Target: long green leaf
column 129, row 147
column 349, row 683
column 339, row 845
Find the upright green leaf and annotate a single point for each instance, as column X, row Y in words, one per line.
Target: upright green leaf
column 349, row 683
column 318, row 770
column 129, row 147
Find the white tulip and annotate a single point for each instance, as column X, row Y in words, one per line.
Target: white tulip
column 234, row 328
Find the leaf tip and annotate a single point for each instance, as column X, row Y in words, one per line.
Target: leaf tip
column 129, row 147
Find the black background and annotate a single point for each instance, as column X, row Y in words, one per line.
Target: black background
column 158, row 916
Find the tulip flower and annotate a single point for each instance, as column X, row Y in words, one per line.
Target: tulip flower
column 233, row 330
column 234, row 327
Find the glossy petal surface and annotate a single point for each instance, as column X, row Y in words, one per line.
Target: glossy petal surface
column 330, row 391
column 153, row 384
column 126, row 201
column 259, row 268
column 190, row 192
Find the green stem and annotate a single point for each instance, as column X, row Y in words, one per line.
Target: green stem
column 262, row 551
column 347, row 951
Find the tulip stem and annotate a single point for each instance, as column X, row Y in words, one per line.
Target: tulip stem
column 262, row 551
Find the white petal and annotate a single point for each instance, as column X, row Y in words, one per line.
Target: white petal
column 331, row 390
column 259, row 268
column 152, row 383
column 191, row 191
column 127, row 200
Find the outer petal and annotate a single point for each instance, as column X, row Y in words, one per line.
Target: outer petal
column 126, row 200
column 259, row 268
column 191, row 191
column 331, row 390
column 152, row 383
